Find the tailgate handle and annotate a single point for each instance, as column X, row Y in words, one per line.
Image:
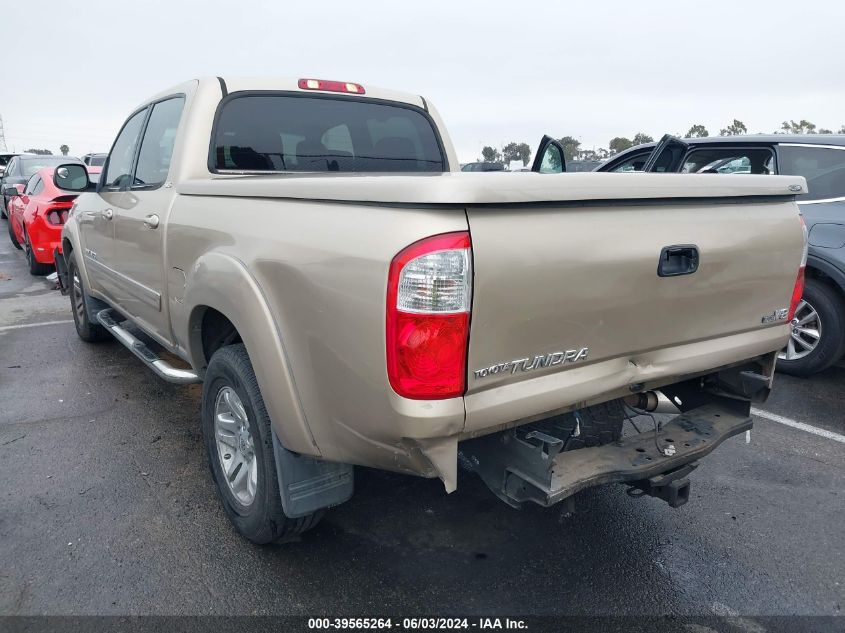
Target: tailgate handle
column 681, row 259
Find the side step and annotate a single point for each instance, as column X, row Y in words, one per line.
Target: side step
column 160, row 367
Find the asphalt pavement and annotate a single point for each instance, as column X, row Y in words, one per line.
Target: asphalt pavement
column 107, row 507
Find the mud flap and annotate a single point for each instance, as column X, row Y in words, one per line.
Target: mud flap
column 307, row 484
column 61, row 271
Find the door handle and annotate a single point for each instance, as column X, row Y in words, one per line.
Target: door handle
column 681, row 259
column 151, row 221
column 108, row 214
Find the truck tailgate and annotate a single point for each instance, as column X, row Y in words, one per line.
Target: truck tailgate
column 562, row 287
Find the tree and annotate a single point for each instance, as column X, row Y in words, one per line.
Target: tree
column 697, row 131
column 40, row 152
column 824, row 130
column 841, row 130
column 737, row 127
column 802, row 127
column 642, row 137
column 571, row 147
column 619, row 144
column 64, row 149
column 491, row 154
column 516, row 151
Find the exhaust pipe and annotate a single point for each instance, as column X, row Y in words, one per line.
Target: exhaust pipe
column 651, row 401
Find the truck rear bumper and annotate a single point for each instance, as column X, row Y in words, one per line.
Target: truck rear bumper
column 529, row 465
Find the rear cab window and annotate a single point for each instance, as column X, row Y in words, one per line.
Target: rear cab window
column 823, row 167
column 729, row 160
column 286, row 132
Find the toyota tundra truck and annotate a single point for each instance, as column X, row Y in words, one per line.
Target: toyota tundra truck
column 311, row 253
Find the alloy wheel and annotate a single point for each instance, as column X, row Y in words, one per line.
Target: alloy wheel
column 805, row 334
column 78, row 300
column 235, row 447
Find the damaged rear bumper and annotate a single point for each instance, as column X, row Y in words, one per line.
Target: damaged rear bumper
column 527, row 464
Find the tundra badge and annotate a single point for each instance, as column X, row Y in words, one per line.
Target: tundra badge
column 537, row 362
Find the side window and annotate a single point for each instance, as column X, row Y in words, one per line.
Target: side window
column 729, row 160
column 157, row 146
column 32, row 185
column 123, row 152
column 823, row 167
column 634, row 163
column 10, row 168
column 38, row 187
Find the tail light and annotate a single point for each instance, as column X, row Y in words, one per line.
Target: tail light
column 798, row 289
column 57, row 215
column 429, row 291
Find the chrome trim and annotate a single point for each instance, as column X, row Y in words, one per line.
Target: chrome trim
column 159, row 367
column 787, row 144
column 136, row 289
column 839, row 199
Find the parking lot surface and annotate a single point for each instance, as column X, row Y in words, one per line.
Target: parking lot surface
column 107, row 507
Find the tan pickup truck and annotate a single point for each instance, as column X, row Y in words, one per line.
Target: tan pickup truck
column 347, row 296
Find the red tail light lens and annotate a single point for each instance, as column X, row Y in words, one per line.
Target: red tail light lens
column 57, row 215
column 331, row 86
column 797, row 293
column 429, row 290
column 798, row 289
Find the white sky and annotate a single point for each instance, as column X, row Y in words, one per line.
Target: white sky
column 498, row 71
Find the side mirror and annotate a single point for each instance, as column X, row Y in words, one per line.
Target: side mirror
column 550, row 158
column 72, row 177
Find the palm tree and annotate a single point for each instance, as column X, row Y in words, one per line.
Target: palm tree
column 64, row 149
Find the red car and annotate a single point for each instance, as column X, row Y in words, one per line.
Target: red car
column 36, row 217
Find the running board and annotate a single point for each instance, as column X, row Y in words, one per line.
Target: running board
column 161, row 368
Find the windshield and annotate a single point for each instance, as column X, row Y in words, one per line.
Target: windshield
column 276, row 133
column 98, row 160
column 31, row 165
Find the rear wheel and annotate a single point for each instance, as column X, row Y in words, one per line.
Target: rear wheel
column 12, row 237
column 817, row 338
column 85, row 329
column 239, row 444
column 35, row 267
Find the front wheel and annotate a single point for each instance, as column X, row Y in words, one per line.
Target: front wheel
column 239, row 444
column 817, row 336
column 85, row 329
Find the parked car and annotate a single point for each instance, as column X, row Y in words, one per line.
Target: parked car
column 483, row 166
column 36, row 217
column 21, row 168
column 818, row 329
column 4, row 160
column 414, row 320
column 95, row 160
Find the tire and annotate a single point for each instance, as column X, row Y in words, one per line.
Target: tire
column 260, row 518
column 85, row 329
column 35, row 267
column 829, row 308
column 12, row 237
